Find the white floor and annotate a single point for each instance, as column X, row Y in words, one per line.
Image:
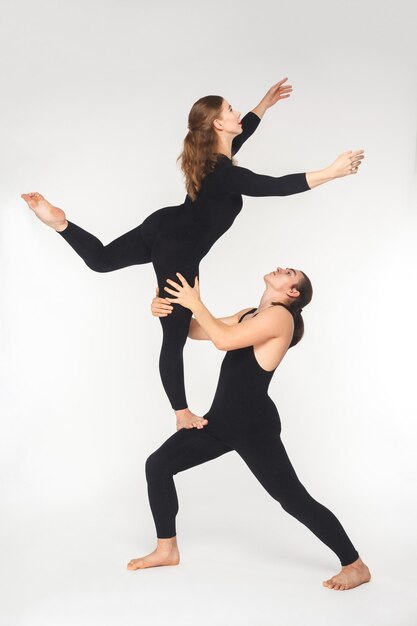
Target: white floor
column 64, row 573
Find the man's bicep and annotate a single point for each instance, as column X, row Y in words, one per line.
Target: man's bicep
column 195, row 331
column 231, row 320
column 271, row 324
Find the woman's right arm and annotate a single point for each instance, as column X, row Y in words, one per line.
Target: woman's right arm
column 243, row 181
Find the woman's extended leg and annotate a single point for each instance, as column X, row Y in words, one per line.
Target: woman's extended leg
column 160, row 239
column 185, row 449
column 267, row 458
column 128, row 249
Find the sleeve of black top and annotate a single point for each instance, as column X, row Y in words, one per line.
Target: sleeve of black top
column 244, row 181
column 250, row 123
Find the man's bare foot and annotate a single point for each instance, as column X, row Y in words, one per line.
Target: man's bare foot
column 45, row 211
column 166, row 553
column 349, row 577
column 186, row 419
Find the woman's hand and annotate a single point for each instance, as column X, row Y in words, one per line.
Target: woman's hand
column 273, row 95
column 276, row 93
column 347, row 163
column 160, row 307
column 187, row 296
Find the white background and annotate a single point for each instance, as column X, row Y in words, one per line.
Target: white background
column 95, row 98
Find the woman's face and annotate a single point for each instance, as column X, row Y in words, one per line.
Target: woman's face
column 284, row 280
column 229, row 121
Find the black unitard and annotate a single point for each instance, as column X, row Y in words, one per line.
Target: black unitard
column 175, row 239
column 242, row 418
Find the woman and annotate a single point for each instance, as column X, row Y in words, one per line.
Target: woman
column 179, row 237
column 244, row 418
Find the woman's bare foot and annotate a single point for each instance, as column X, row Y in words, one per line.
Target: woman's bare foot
column 45, row 211
column 186, row 419
column 349, row 577
column 166, row 553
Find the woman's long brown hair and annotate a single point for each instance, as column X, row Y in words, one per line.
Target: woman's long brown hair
column 199, row 156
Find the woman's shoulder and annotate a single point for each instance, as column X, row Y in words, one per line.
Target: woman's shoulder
column 213, row 181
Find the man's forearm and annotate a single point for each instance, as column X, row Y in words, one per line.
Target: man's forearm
column 215, row 329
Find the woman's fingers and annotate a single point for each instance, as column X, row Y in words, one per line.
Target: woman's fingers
column 281, row 81
column 173, row 291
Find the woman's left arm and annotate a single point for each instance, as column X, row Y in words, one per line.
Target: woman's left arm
column 273, row 95
column 272, row 323
column 250, row 121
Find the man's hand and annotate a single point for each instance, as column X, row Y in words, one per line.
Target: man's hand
column 186, row 296
column 160, row 307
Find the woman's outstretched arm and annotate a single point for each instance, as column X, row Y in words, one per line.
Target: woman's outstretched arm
column 277, row 92
column 241, row 180
column 250, row 121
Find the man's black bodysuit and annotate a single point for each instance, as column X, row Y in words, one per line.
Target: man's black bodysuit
column 243, row 418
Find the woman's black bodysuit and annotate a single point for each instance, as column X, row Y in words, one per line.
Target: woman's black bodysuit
column 175, row 239
column 243, row 418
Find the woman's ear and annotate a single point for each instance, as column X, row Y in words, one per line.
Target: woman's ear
column 218, row 124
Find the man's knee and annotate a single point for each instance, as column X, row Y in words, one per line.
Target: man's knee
column 153, row 466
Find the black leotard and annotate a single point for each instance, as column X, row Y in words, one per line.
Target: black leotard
column 176, row 238
column 243, row 418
